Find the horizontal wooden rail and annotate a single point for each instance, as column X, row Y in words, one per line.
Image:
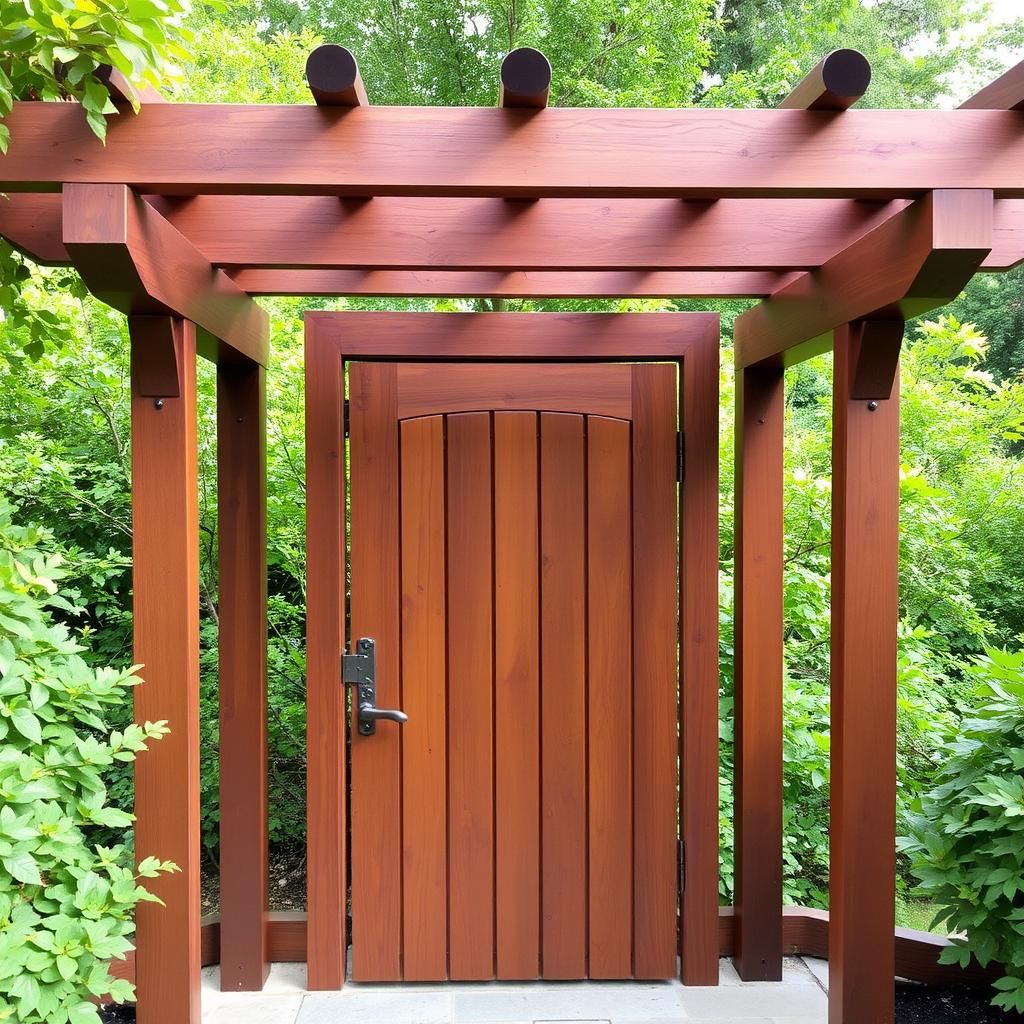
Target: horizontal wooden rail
column 804, row 933
column 187, row 148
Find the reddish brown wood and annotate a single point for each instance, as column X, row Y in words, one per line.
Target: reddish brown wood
column 627, row 235
column 470, row 699
column 655, row 669
column 918, row 259
column 333, row 77
column 758, row 673
column 326, row 777
column 877, row 358
column 165, row 575
column 242, row 608
column 563, row 722
column 130, row 257
column 610, row 721
column 525, row 79
column 698, row 729
column 516, row 695
column 159, row 375
column 424, row 675
column 530, row 337
column 836, row 82
column 122, row 91
column 1005, row 93
column 376, row 797
column 444, row 234
column 865, row 610
column 683, row 153
column 566, row 387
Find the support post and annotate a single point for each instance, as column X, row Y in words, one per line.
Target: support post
column 698, row 759
column 865, row 568
column 758, row 673
column 165, row 546
column 326, row 838
column 242, row 605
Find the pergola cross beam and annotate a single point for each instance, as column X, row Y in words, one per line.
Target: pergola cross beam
column 917, row 260
column 134, row 260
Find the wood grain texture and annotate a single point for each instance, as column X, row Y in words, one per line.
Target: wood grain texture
column 610, row 721
column 568, row 387
column 165, row 579
column 516, row 696
column 131, row 258
column 538, row 337
column 918, row 259
column 757, row 718
column 251, row 235
column 242, row 647
column 682, row 153
column 470, row 699
column 698, row 729
column 563, row 697
column 1005, row 93
column 655, row 668
column 326, row 571
column 865, row 611
column 376, row 795
column 424, row 675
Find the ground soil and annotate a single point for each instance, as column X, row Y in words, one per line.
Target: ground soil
column 963, row 1004
column 287, row 872
column 114, row 1014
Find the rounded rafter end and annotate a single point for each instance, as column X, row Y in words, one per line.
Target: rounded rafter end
column 333, row 77
column 846, row 72
column 525, row 78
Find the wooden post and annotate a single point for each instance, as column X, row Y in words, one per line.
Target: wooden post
column 698, row 703
column 326, row 840
column 242, row 537
column 865, row 566
column 165, row 545
column 758, row 674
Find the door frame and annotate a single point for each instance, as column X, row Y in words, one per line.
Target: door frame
column 335, row 338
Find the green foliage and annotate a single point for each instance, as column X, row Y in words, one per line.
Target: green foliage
column 966, row 835
column 66, row 906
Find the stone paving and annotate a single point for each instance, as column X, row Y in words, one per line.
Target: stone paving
column 799, row 999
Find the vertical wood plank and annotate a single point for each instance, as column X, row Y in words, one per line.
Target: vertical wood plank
column 242, row 546
column 424, row 793
column 516, row 696
column 758, row 674
column 655, row 670
column 610, row 699
column 865, row 610
column 698, row 734
column 470, row 699
column 326, row 781
column 165, row 574
column 376, row 801
column 563, row 697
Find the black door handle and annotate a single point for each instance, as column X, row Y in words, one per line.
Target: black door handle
column 360, row 669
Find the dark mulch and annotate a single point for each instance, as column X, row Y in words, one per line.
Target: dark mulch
column 114, row 1014
column 961, row 1004
column 287, row 873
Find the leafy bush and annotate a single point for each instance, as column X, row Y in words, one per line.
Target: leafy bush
column 966, row 840
column 66, row 907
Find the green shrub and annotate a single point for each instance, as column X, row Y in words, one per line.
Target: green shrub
column 66, row 907
column 966, row 840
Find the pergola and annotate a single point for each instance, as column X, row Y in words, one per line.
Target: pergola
column 843, row 222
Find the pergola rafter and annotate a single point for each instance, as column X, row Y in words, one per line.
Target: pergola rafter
column 845, row 221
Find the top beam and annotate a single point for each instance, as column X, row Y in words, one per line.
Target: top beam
column 1005, row 93
column 434, row 151
column 525, row 79
column 836, row 83
column 919, row 259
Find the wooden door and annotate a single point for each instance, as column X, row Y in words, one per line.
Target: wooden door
column 514, row 557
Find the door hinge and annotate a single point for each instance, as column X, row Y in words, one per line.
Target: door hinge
column 682, row 865
column 680, row 456
column 344, row 415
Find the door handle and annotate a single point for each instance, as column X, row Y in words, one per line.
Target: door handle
column 360, row 670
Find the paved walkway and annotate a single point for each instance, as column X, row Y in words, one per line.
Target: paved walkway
column 799, row 999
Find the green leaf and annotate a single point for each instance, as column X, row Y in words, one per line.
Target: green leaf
column 22, row 866
column 27, row 724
